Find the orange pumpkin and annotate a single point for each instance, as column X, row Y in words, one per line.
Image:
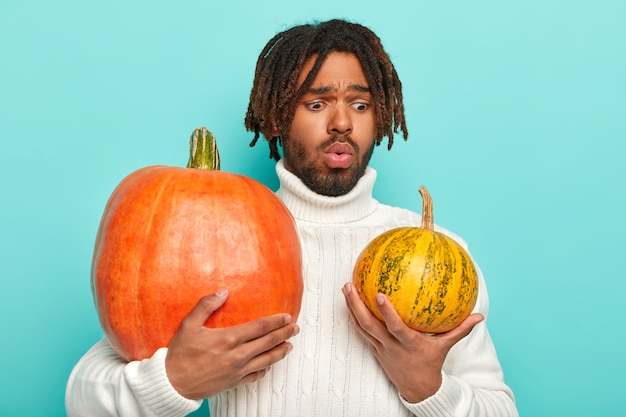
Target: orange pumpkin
column 170, row 235
column 429, row 278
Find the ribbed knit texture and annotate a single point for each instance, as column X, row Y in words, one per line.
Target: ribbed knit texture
column 102, row 384
column 330, row 372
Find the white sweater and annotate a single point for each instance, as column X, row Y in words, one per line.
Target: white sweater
column 330, row 372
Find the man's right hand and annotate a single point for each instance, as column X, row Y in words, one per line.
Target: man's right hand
column 202, row 362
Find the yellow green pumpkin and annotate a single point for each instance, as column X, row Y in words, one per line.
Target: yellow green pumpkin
column 429, row 278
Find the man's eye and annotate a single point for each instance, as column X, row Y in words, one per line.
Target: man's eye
column 317, row 105
column 360, row 106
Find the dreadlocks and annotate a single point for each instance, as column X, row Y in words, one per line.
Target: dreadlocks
column 274, row 98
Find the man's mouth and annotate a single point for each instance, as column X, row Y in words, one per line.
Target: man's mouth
column 339, row 155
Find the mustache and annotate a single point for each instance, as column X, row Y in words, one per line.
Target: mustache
column 341, row 139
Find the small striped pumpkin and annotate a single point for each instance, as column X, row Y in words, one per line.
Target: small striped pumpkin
column 428, row 277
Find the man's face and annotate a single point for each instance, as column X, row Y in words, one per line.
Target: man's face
column 333, row 130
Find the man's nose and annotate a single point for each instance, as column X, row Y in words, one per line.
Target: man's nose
column 340, row 121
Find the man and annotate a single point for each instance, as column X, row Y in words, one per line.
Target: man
column 327, row 94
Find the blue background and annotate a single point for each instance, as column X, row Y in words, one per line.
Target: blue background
column 516, row 112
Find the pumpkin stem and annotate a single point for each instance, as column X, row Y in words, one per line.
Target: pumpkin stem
column 203, row 152
column 428, row 222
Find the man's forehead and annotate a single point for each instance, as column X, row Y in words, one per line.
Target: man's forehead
column 336, row 68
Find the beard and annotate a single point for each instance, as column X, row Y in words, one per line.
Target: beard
column 326, row 181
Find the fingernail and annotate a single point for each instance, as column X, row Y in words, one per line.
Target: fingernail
column 380, row 299
column 287, row 319
column 347, row 289
column 296, row 330
column 222, row 292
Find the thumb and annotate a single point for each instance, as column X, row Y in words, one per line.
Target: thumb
column 207, row 306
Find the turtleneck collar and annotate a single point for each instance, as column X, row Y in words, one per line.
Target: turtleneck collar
column 306, row 205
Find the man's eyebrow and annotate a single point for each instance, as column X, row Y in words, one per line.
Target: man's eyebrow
column 360, row 88
column 325, row 89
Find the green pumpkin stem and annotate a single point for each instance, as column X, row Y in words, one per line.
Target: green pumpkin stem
column 203, row 152
column 428, row 222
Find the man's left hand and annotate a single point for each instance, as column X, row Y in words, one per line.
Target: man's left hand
column 411, row 359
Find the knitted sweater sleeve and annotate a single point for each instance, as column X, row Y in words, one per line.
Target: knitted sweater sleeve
column 102, row 384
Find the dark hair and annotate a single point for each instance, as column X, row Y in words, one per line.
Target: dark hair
column 273, row 98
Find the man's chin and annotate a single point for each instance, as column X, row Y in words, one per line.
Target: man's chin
column 333, row 185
